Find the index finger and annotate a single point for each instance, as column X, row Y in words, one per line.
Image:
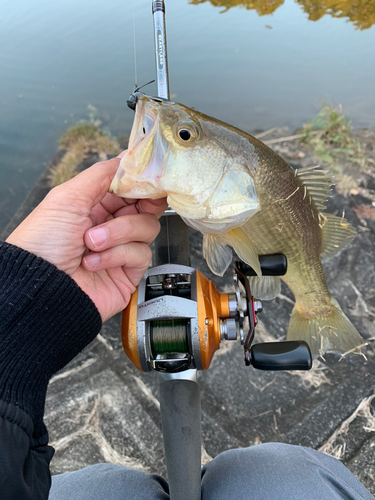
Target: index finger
column 91, row 185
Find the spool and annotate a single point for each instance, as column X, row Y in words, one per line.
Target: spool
column 169, row 336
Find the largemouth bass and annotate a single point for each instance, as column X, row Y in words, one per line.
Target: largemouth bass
column 239, row 193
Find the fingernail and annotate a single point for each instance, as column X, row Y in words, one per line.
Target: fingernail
column 98, row 236
column 92, row 259
column 122, row 154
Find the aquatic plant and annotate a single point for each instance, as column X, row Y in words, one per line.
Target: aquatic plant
column 81, row 140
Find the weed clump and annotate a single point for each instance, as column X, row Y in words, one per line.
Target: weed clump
column 81, row 140
column 329, row 135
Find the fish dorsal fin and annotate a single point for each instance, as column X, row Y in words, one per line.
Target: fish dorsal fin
column 318, row 184
column 242, row 245
column 265, row 288
column 217, row 254
column 337, row 233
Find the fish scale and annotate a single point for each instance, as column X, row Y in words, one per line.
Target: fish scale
column 295, row 217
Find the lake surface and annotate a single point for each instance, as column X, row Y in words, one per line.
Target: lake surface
column 254, row 64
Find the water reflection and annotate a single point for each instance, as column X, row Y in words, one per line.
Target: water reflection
column 360, row 12
column 261, row 6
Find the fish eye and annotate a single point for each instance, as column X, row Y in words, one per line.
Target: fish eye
column 144, row 130
column 184, row 134
column 187, row 132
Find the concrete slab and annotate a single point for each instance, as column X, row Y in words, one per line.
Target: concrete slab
column 103, row 409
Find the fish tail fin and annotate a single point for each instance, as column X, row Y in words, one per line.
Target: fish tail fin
column 333, row 332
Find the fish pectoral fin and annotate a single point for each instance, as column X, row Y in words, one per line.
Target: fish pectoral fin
column 217, row 254
column 265, row 287
column 337, row 233
column 333, row 332
column 318, row 184
column 244, row 248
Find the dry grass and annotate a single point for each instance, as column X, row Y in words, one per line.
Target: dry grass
column 314, row 377
column 146, row 391
column 91, row 427
column 78, row 368
column 329, row 135
column 67, row 168
column 345, row 183
column 336, row 444
column 311, row 378
column 104, row 341
column 81, row 140
column 262, row 335
column 225, row 347
column 205, row 457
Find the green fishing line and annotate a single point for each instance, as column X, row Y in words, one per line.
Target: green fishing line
column 169, row 336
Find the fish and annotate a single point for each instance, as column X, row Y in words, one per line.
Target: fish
column 241, row 195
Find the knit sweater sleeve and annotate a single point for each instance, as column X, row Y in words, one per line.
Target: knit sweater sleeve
column 45, row 320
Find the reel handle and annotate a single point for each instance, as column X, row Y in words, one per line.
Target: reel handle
column 271, row 265
column 275, row 356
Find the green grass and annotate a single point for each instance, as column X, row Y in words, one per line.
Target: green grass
column 80, row 131
column 329, row 135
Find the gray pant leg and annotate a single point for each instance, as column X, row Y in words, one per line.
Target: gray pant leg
column 277, row 471
column 108, row 482
column 272, row 471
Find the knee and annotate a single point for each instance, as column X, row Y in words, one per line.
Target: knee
column 259, row 469
column 108, row 481
column 278, row 470
column 243, row 460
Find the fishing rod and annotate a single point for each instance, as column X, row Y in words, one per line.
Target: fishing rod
column 162, row 77
column 177, row 319
column 179, row 391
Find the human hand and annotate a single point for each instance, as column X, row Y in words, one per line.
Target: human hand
column 97, row 238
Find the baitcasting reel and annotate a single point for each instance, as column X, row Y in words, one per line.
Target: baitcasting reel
column 177, row 319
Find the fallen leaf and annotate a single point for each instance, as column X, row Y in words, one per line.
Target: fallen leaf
column 364, row 211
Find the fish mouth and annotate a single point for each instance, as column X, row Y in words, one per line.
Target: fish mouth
column 141, row 168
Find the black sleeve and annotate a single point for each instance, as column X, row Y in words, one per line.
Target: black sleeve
column 45, row 320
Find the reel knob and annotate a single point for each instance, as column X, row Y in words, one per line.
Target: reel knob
column 275, row 356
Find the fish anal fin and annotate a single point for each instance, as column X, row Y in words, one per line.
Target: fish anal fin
column 333, row 332
column 217, row 254
column 265, row 287
column 318, row 184
column 336, row 232
column 244, row 248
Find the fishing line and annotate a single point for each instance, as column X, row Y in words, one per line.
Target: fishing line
column 169, row 253
column 169, row 336
column 135, row 52
column 169, row 257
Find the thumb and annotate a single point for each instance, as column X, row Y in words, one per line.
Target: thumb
column 91, row 185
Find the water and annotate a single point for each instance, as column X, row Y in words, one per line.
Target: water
column 253, row 71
